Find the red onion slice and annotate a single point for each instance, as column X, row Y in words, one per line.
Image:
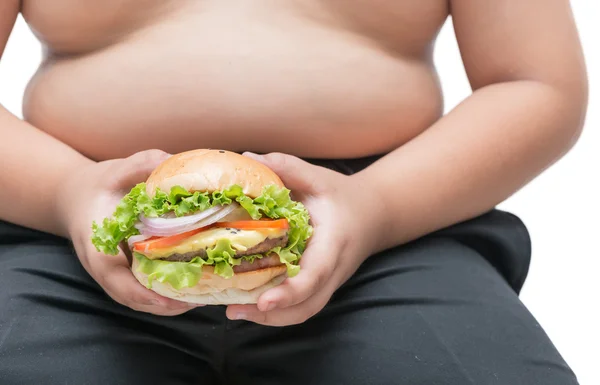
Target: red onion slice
column 147, row 227
column 168, row 223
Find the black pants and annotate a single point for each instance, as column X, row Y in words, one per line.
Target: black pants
column 441, row 310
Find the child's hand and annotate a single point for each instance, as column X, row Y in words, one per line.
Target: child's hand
column 93, row 193
column 343, row 216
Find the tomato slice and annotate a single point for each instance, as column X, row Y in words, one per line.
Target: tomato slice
column 163, row 242
column 260, row 224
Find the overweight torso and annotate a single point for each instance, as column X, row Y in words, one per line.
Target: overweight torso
column 322, row 79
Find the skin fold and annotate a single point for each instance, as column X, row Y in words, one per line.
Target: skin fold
column 289, row 79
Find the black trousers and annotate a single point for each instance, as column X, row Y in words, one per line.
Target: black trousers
column 443, row 309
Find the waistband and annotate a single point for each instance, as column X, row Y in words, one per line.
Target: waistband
column 346, row 166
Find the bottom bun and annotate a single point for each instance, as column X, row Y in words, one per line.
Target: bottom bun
column 212, row 289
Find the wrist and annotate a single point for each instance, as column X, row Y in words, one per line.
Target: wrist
column 66, row 193
column 373, row 212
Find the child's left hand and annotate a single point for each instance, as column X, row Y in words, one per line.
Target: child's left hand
column 344, row 216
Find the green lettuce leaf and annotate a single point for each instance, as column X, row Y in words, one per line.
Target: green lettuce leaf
column 107, row 236
column 274, row 202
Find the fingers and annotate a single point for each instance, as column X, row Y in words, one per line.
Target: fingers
column 301, row 297
column 125, row 289
column 296, row 174
column 297, row 299
column 281, row 317
column 317, row 265
column 137, row 167
column 115, row 276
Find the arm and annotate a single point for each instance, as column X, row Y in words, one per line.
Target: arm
column 525, row 65
column 47, row 185
column 33, row 163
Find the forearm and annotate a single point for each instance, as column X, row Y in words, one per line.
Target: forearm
column 473, row 158
column 33, row 166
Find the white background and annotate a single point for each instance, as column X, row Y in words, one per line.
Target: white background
column 561, row 207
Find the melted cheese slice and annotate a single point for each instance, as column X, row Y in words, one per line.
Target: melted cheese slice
column 240, row 240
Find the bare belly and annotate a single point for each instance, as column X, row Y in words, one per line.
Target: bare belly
column 262, row 81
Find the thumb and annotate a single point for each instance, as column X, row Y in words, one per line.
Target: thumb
column 138, row 167
column 295, row 173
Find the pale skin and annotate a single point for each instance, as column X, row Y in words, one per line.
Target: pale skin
column 324, row 79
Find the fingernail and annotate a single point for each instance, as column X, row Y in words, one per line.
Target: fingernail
column 240, row 316
column 270, row 306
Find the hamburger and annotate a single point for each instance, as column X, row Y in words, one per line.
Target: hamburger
column 209, row 227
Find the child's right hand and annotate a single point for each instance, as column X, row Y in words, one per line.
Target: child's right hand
column 91, row 194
